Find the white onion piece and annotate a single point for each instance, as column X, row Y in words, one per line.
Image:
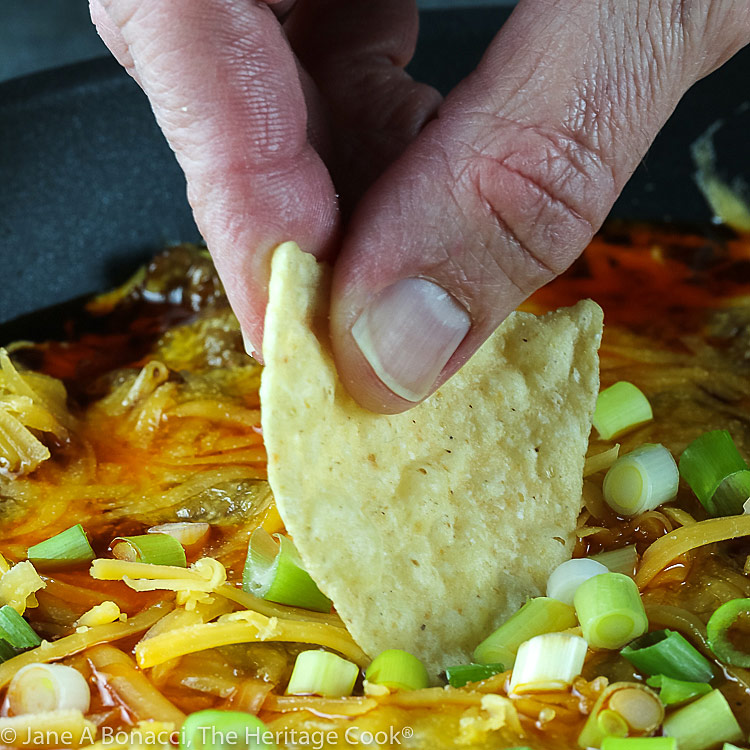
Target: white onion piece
column 185, row 532
column 548, row 662
column 568, row 576
column 37, row 688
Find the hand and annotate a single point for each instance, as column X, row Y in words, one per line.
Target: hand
column 268, row 106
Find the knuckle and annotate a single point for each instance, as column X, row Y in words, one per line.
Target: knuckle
column 546, row 192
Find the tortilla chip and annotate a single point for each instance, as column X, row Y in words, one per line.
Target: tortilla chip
column 428, row 529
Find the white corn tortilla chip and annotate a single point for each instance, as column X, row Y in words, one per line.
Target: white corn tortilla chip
column 428, row 529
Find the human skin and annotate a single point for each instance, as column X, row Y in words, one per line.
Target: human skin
column 296, row 120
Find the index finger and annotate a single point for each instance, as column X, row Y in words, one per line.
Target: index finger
column 224, row 87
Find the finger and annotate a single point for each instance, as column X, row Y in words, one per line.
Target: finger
column 505, row 189
column 281, row 8
column 318, row 129
column 356, row 51
column 225, row 90
column 111, row 36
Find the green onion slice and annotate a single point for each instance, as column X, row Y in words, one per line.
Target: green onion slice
column 639, row 743
column 610, row 610
column 610, row 724
column 716, row 472
column 274, row 571
column 623, row 560
column 732, row 494
column 547, row 662
column 668, row 653
column 620, row 408
column 729, row 632
column 675, row 692
column 398, row 670
column 538, row 616
column 704, row 723
column 6, row 651
column 565, row 579
column 155, row 549
column 322, row 673
column 38, row 688
column 68, row 548
column 187, row 533
column 224, row 730
column 463, row 674
column 622, row 708
column 639, row 706
column 15, row 631
column 641, row 480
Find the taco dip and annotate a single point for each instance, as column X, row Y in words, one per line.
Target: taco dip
column 550, row 553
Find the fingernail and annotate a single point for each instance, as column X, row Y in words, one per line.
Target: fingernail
column 248, row 344
column 408, row 333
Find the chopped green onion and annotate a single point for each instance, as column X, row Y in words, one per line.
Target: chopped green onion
column 729, row 632
column 6, row 651
column 716, row 472
column 622, row 560
column 611, row 724
column 322, row 673
column 15, row 630
column 187, row 533
column 69, row 547
column 610, row 610
column 639, row 706
column 274, row 571
column 621, row 707
column 538, row 616
column 732, row 494
column 38, row 688
column 639, row 743
column 620, row 408
column 156, row 549
column 641, row 480
column 668, row 653
column 568, row 576
column 730, row 746
column 463, row 674
column 703, row 723
column 214, row 729
column 674, row 692
column 548, row 662
column 398, row 670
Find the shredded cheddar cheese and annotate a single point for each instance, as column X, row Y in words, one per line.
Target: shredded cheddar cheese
column 18, row 586
column 244, row 627
column 100, row 614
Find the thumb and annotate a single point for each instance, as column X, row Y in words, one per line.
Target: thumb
column 506, row 187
